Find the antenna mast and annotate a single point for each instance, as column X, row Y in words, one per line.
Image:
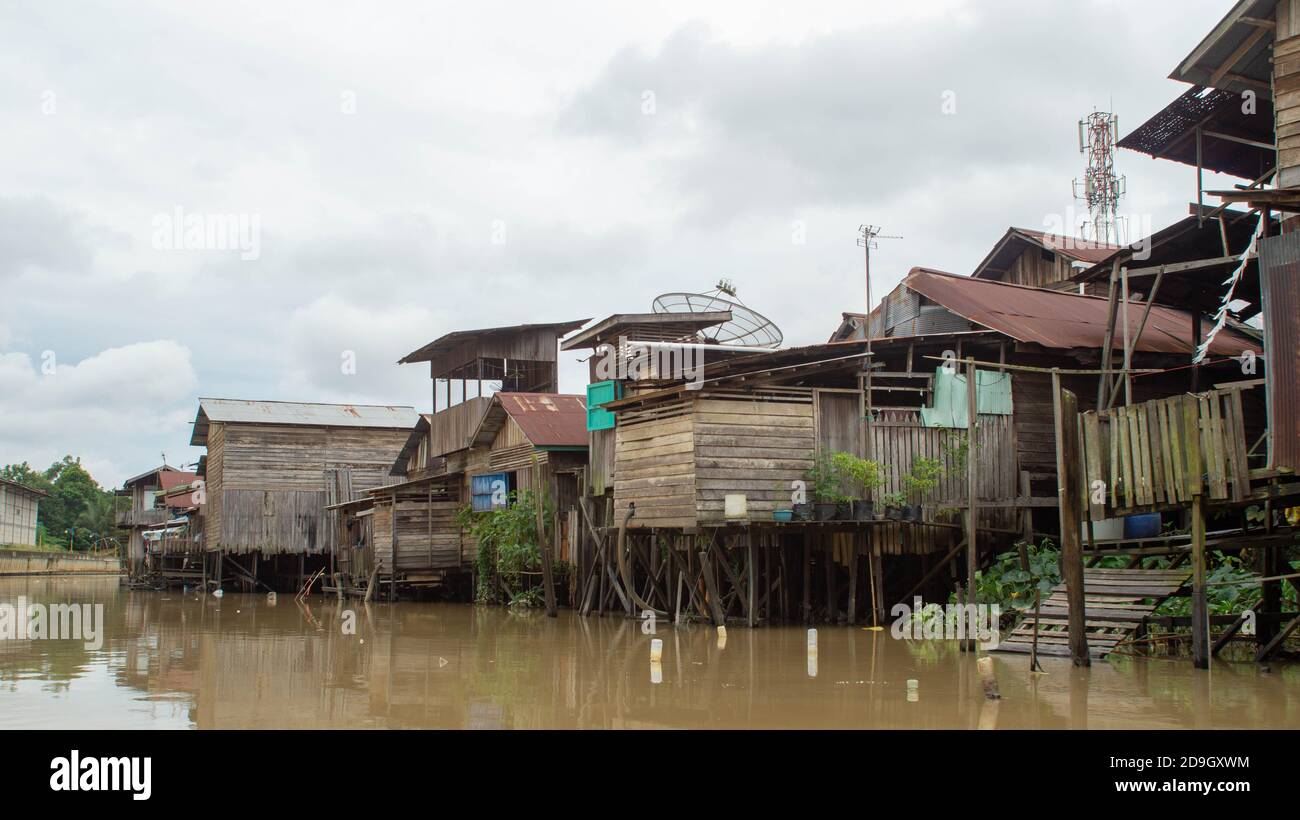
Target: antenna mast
column 867, row 236
column 1100, row 188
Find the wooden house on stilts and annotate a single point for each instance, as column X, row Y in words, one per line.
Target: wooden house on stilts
column 500, row 429
column 273, row 468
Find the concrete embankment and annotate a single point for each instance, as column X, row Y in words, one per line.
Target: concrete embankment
column 25, row 562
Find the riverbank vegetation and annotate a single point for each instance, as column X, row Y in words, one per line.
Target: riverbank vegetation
column 509, row 559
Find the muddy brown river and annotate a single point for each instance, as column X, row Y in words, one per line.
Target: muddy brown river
column 172, row 660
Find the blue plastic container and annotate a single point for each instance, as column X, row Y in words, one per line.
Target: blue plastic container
column 782, row 515
column 1146, row 525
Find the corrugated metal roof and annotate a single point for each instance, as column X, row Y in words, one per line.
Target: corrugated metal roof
column 171, row 479
column 1169, row 133
column 1085, row 250
column 1062, row 320
column 244, row 411
column 458, row 337
column 1221, row 50
column 548, row 419
column 147, row 474
column 1014, row 242
column 23, row 487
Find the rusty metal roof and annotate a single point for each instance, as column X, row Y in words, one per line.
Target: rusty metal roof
column 1170, row 133
column 1062, row 320
column 244, row 411
column 547, row 419
column 1016, row 240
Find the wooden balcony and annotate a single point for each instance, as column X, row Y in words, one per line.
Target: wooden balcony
column 141, row 518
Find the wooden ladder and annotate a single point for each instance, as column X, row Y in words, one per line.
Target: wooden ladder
column 1116, row 602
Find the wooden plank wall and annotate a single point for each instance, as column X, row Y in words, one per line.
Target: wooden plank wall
column 1032, row 269
column 214, row 484
column 654, row 466
column 600, row 472
column 753, row 446
column 898, row 437
column 1165, row 451
column 268, row 482
column 839, row 421
column 1286, row 93
column 450, row 429
column 425, row 532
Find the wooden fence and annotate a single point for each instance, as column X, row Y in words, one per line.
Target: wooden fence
column 1164, row 452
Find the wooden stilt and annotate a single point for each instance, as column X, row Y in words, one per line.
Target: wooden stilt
column 852, row 614
column 1066, row 414
column 1200, row 611
column 711, row 585
column 807, row 578
column 828, row 555
column 752, row 582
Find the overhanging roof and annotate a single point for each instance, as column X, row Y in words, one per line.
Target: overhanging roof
column 148, row 474
column 1235, row 55
column 457, row 338
column 658, row 324
column 22, row 487
column 244, row 411
column 1171, row 133
column 1016, row 240
column 1062, row 320
column 546, row 419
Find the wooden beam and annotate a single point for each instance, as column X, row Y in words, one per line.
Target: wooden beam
column 1066, row 416
column 1231, row 62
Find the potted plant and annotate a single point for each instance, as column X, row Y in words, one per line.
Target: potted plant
column 799, row 510
column 894, row 504
column 920, row 482
column 867, row 476
column 824, row 483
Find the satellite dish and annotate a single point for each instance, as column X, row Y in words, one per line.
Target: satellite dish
column 746, row 327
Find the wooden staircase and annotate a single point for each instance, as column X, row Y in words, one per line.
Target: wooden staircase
column 1116, row 602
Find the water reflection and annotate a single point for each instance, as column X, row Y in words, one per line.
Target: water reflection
column 178, row 660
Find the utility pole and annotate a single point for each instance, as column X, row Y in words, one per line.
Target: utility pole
column 867, row 236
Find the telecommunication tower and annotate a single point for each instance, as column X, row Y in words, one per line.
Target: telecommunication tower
column 1100, row 187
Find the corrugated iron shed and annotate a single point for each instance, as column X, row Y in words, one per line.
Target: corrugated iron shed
column 244, row 411
column 1062, row 320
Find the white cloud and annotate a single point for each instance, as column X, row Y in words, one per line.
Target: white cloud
column 128, row 399
column 376, row 225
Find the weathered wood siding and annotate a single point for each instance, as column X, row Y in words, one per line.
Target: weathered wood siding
column 1286, row 93
column 1038, row 268
column 755, row 447
column 267, row 483
column 654, row 467
column 214, row 483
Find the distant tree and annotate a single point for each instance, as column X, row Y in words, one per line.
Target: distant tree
column 74, row 501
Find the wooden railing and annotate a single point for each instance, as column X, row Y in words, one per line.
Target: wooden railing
column 141, row 518
column 1164, row 452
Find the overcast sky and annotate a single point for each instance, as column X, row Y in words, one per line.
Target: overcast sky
column 403, row 171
